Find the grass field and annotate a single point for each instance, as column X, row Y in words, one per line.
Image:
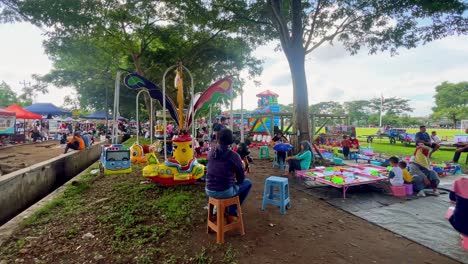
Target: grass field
column 444, row 134
column 383, row 145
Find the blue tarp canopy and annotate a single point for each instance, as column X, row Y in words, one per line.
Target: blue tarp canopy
column 46, row 109
column 101, row 115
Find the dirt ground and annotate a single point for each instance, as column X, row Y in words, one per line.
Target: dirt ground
column 311, row 231
column 21, row 156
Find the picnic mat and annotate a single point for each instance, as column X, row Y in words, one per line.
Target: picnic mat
column 421, row 220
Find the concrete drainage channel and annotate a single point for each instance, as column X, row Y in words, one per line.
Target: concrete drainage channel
column 22, row 188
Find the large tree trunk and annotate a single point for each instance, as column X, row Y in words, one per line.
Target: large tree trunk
column 296, row 60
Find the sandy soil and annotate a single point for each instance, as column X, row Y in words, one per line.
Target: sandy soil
column 18, row 157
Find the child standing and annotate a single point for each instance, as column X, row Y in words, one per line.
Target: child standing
column 396, row 174
column 407, row 178
column 459, row 194
column 280, row 155
column 346, row 144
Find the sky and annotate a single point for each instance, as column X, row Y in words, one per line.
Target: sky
column 332, row 74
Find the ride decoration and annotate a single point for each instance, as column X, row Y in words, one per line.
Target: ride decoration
column 182, row 167
column 137, row 155
column 114, row 159
column 267, row 103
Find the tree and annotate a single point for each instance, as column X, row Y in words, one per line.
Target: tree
column 451, row 101
column 7, row 96
column 391, row 106
column 330, row 107
column 90, row 40
column 303, row 26
column 286, row 108
column 358, row 111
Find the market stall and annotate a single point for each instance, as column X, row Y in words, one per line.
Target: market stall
column 345, row 177
column 21, row 113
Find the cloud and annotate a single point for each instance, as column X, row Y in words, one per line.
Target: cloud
column 327, row 53
column 23, row 55
column 281, row 80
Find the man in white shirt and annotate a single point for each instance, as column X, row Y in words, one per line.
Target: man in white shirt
column 434, row 138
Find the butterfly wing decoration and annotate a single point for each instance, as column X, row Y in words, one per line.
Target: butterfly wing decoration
column 135, row 81
column 209, row 96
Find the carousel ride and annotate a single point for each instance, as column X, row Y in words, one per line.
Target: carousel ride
column 182, row 167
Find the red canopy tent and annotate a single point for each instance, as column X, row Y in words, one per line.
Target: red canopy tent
column 21, row 113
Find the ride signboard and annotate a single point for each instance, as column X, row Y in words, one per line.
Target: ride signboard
column 7, row 123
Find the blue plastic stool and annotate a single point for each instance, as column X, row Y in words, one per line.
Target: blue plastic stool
column 280, row 199
column 275, row 160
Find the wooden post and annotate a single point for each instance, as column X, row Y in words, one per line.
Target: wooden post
column 312, row 120
column 282, row 124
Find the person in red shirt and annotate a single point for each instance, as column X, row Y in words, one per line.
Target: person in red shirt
column 346, row 144
column 76, row 143
column 354, row 143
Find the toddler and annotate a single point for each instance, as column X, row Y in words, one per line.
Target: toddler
column 396, row 174
column 346, row 144
column 406, row 175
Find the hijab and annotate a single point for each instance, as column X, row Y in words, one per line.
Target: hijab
column 421, row 156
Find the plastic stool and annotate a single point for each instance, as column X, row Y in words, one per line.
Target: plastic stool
column 217, row 222
column 399, row 191
column 264, row 152
column 464, row 242
column 275, row 160
column 449, row 212
column 409, row 189
column 269, row 196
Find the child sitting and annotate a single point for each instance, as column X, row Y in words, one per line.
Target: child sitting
column 407, row 178
column 396, row 174
column 459, row 194
column 243, row 151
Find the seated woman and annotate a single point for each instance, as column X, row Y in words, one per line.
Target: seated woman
column 421, row 172
column 301, row 161
column 76, row 143
column 225, row 176
column 459, row 195
column 36, row 135
column 462, row 147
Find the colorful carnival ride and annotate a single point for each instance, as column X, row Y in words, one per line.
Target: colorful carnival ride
column 182, row 167
column 267, row 103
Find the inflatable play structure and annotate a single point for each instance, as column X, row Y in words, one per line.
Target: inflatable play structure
column 267, row 103
column 182, row 167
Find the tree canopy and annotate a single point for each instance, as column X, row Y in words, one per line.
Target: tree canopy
column 302, row 26
column 7, row 95
column 451, row 101
column 89, row 41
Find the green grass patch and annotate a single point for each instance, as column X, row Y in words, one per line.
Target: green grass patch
column 176, row 206
column 444, row 134
column 142, row 141
column 202, row 257
column 68, row 202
